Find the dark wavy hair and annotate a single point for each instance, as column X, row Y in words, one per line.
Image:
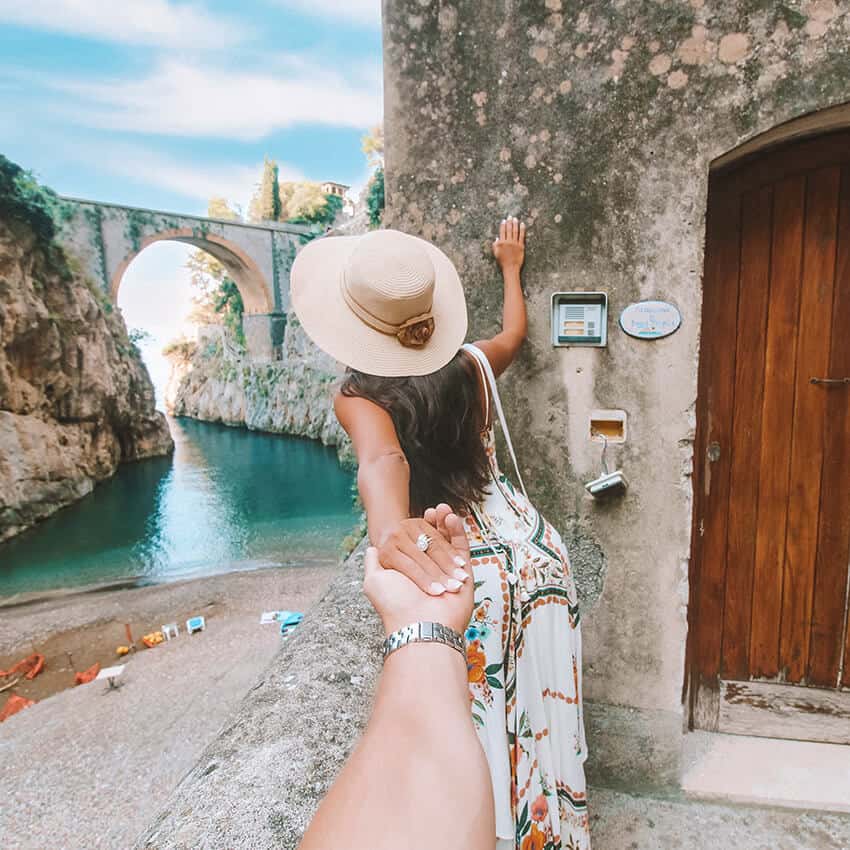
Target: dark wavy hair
column 438, row 419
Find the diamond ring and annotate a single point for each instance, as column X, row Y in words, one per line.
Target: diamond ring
column 423, row 542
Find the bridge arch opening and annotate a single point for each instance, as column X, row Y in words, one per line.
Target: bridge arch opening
column 256, row 291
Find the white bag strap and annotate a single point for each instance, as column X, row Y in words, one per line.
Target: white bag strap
column 490, row 379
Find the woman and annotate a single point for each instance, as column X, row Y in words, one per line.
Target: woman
column 419, row 409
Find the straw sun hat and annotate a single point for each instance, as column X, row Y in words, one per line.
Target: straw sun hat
column 384, row 303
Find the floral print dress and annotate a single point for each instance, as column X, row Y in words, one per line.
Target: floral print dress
column 524, row 664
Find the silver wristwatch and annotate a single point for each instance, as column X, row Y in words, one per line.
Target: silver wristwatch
column 425, row 633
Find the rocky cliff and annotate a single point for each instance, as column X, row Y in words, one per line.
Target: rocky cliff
column 212, row 380
column 75, row 397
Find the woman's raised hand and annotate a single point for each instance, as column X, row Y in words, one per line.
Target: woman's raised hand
column 441, row 566
column 509, row 247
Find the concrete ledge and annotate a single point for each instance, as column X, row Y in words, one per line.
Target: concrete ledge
column 258, row 784
column 631, row 748
column 620, row 821
column 766, row 771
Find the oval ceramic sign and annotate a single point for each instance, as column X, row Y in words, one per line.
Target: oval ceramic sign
column 650, row 319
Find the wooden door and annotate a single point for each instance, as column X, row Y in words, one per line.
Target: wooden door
column 769, row 645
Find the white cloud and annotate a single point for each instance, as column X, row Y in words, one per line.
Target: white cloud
column 233, row 181
column 184, row 99
column 360, row 11
column 162, row 23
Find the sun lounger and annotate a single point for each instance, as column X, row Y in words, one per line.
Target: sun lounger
column 195, row 624
column 170, row 630
column 112, row 674
column 268, row 617
column 289, row 621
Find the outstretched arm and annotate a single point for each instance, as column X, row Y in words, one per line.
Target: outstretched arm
column 418, row 779
column 383, row 479
column 509, row 251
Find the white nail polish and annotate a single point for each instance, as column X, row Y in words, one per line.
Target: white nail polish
column 459, row 561
column 460, row 575
column 437, row 589
column 453, row 584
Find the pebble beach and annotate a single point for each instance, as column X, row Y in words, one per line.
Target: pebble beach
column 112, row 757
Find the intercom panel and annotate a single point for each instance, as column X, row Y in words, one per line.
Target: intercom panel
column 580, row 318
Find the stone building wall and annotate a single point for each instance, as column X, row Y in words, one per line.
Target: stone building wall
column 597, row 123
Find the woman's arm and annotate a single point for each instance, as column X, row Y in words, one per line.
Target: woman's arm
column 509, row 251
column 383, row 476
column 383, row 479
column 418, row 779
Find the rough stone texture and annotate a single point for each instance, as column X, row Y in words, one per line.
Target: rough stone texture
column 597, row 123
column 75, row 397
column 258, row 784
column 621, row 821
column 632, row 749
column 215, row 382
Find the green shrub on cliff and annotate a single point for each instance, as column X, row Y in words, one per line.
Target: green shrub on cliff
column 292, row 201
column 22, row 198
column 228, row 304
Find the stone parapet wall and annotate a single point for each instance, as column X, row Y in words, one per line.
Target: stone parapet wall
column 258, row 784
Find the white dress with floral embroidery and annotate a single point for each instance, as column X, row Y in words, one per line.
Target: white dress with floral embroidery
column 524, row 663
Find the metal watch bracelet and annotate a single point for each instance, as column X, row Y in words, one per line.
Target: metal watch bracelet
column 424, row 633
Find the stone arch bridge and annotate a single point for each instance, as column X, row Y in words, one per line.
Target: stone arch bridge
column 106, row 238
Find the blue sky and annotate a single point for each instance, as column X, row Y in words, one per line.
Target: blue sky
column 160, row 103
column 164, row 103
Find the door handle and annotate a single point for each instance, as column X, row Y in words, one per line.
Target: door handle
column 830, row 381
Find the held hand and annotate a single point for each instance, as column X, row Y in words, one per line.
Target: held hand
column 437, row 517
column 509, row 247
column 400, row 602
column 436, row 570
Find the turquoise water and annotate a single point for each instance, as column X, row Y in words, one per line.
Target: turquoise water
column 227, row 499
